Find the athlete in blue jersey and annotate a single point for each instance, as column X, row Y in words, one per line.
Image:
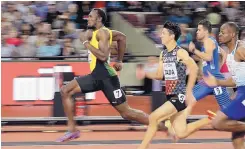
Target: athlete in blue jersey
column 229, row 118
column 210, row 57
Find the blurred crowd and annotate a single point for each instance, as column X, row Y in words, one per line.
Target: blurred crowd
column 188, row 15
column 46, row 28
column 43, row 28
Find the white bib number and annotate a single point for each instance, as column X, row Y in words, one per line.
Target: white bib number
column 117, row 93
column 181, row 98
column 170, row 71
column 218, row 91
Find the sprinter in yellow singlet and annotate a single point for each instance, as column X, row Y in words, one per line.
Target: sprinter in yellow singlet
column 97, row 39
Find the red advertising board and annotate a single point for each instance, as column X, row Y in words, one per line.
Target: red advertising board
column 22, row 83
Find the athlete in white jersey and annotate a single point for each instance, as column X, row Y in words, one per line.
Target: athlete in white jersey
column 229, row 118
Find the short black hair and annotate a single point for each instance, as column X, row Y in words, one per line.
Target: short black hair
column 206, row 24
column 174, row 28
column 102, row 14
column 234, row 27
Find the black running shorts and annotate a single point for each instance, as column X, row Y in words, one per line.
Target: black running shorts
column 178, row 101
column 110, row 86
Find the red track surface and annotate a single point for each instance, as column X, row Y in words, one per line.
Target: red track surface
column 114, row 135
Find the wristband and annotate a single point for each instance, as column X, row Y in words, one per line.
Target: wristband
column 85, row 42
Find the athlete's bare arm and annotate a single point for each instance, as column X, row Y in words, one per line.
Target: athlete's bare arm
column 227, row 82
column 212, row 81
column 196, row 58
column 121, row 41
column 191, row 66
column 103, row 52
column 159, row 73
column 209, row 48
column 240, row 54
